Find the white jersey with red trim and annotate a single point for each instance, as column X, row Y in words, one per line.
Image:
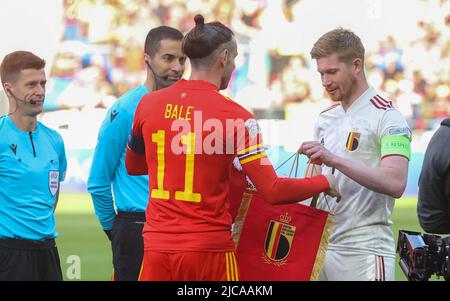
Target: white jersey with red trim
column 362, row 216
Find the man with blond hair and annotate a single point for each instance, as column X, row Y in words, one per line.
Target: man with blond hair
column 187, row 233
column 365, row 141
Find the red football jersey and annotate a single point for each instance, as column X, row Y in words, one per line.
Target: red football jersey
column 192, row 133
column 186, row 137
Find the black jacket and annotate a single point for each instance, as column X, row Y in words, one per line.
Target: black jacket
column 433, row 207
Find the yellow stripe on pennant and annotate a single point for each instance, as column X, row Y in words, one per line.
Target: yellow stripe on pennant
column 272, row 239
column 231, row 266
column 236, row 270
column 228, row 267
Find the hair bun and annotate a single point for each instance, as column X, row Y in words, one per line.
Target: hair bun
column 199, row 20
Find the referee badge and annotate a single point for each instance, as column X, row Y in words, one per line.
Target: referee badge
column 53, row 181
column 352, row 141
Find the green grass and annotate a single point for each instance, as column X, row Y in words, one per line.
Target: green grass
column 80, row 234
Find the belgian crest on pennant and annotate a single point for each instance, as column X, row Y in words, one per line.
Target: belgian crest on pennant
column 279, row 237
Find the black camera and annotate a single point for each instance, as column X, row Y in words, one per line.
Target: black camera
column 422, row 256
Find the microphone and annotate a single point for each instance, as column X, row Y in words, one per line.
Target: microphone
column 164, row 77
column 22, row 100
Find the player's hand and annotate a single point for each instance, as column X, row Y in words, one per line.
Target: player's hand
column 333, row 191
column 317, row 153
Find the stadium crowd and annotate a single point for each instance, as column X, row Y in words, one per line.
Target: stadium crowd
column 102, row 56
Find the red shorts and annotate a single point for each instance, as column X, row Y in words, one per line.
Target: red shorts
column 189, row 266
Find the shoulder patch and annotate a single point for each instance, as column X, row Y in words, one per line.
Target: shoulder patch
column 405, row 131
column 380, row 103
column 252, row 127
column 330, row 108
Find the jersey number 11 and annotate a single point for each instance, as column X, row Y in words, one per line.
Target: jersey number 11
column 188, row 195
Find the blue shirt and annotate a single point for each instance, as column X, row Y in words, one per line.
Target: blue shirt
column 108, row 165
column 31, row 166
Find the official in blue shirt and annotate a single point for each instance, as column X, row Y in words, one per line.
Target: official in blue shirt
column 32, row 164
column 165, row 65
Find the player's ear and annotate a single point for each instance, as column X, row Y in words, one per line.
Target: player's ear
column 223, row 57
column 358, row 65
column 7, row 88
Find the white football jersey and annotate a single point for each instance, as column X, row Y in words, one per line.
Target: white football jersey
column 362, row 216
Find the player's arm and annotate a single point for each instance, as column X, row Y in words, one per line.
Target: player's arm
column 387, row 178
column 135, row 160
column 253, row 159
column 111, row 142
column 56, row 199
column 278, row 190
column 62, row 167
column 390, row 176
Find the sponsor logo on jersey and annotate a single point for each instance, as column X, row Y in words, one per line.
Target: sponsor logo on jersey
column 279, row 237
column 352, row 141
column 13, row 147
column 113, row 115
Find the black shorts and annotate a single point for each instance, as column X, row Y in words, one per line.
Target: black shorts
column 29, row 260
column 127, row 245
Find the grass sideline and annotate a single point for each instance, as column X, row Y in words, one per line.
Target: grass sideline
column 80, row 234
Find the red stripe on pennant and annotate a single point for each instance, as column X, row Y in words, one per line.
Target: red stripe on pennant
column 277, row 240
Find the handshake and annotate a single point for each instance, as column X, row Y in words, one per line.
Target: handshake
column 319, row 155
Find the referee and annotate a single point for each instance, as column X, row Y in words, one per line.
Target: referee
column 165, row 65
column 32, row 164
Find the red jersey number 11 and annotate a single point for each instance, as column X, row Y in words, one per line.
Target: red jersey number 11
column 188, row 195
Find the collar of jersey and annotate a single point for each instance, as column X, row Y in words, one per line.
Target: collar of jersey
column 19, row 131
column 364, row 98
column 144, row 88
column 196, row 85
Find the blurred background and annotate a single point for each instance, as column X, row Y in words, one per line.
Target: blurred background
column 94, row 54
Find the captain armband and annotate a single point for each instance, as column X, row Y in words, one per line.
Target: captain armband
column 136, row 143
column 395, row 145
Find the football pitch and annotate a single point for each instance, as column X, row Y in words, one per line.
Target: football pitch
column 80, row 235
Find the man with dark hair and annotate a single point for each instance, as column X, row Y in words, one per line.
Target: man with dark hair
column 32, row 164
column 365, row 141
column 433, row 207
column 186, row 137
column 165, row 65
